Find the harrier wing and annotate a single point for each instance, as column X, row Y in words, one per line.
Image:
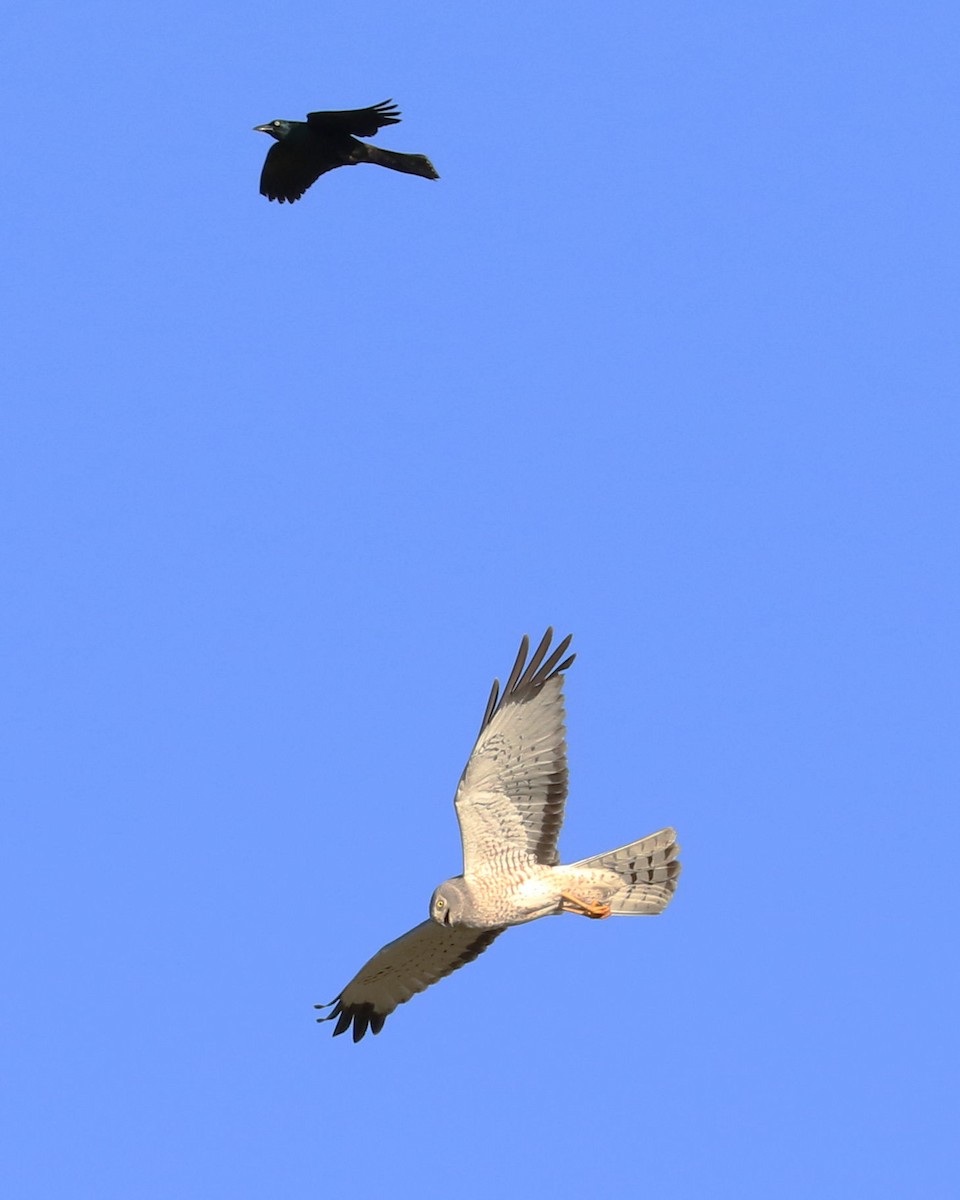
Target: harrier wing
column 511, row 795
column 400, row 970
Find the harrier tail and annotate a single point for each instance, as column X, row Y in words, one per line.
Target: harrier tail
column 649, row 870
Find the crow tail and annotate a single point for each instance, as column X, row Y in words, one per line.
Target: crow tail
column 410, row 164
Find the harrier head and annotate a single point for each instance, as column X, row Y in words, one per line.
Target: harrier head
column 449, row 902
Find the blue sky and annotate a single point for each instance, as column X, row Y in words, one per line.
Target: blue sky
column 667, row 359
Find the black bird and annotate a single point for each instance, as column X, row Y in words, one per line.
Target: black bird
column 306, row 149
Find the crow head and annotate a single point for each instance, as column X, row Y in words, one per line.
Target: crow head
column 276, row 129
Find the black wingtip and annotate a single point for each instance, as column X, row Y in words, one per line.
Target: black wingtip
column 361, row 1016
column 533, row 674
column 336, row 1008
column 346, row 1017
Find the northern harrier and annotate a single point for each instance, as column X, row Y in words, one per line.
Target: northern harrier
column 509, row 804
column 305, row 150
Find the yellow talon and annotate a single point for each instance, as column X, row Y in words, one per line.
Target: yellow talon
column 585, row 908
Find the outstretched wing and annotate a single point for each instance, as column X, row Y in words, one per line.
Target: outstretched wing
column 288, row 172
column 360, row 122
column 511, row 795
column 400, row 970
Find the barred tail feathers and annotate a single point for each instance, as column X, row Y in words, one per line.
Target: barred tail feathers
column 649, row 870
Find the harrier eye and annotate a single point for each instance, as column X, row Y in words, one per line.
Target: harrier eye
column 440, row 903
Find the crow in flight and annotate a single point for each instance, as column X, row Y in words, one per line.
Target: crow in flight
column 306, row 149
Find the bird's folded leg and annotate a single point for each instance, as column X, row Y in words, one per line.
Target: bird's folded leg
column 584, row 907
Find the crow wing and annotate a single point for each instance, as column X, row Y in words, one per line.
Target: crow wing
column 288, row 171
column 359, row 122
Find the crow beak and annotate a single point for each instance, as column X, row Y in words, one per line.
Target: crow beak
column 261, row 129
